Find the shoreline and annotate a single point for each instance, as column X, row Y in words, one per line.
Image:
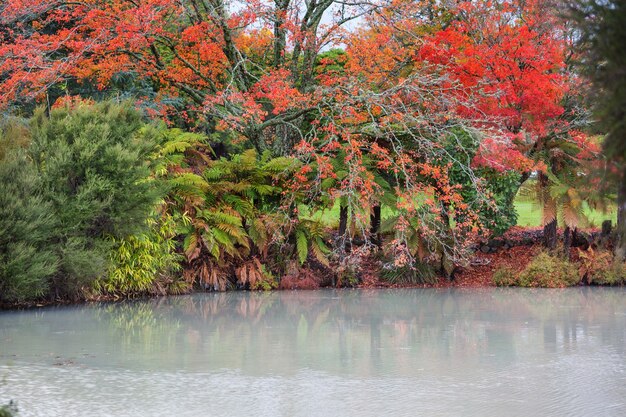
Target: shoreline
column 514, row 250
column 443, row 283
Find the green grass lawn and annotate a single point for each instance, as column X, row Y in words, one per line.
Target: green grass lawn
column 529, row 214
column 330, row 217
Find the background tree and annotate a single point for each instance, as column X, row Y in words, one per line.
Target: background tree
column 602, row 39
column 249, row 64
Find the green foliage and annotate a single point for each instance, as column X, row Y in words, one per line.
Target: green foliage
column 302, row 246
column 310, row 235
column 332, row 61
column 505, row 277
column 503, row 187
column 93, row 165
column 545, row 270
column 81, row 185
column 27, row 258
column 561, row 191
column 144, row 263
column 489, row 193
column 237, row 228
column 93, row 161
column 174, row 146
column 14, row 134
column 416, row 274
column 602, row 38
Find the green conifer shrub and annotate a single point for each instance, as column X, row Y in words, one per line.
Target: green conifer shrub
column 27, row 260
column 82, row 184
column 93, row 162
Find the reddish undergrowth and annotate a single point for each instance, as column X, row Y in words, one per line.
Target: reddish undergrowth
column 480, row 272
column 304, row 279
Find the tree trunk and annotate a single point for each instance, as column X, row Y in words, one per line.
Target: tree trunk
column 445, row 214
column 340, row 241
column 280, row 33
column 343, row 221
column 549, row 235
column 567, row 241
column 549, row 229
column 607, row 227
column 605, row 235
column 620, row 230
column 375, row 218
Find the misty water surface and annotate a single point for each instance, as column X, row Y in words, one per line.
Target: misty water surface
column 486, row 352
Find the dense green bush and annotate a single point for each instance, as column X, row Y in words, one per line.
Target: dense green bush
column 92, row 160
column 27, row 258
column 502, row 187
column 82, row 184
column 545, row 270
column 494, row 205
column 146, row 262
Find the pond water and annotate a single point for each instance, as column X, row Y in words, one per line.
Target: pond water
column 486, row 352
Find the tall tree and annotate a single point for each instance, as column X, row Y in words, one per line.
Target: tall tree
column 518, row 51
column 374, row 122
column 602, row 39
column 249, row 64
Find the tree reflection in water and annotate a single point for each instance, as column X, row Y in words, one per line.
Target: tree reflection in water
column 487, row 352
column 350, row 331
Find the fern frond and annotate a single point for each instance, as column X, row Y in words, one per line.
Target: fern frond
column 320, row 250
column 211, row 245
column 258, row 234
column 280, row 164
column 218, row 216
column 189, row 182
column 549, row 211
column 302, row 246
column 241, row 206
column 191, row 246
column 214, row 173
column 224, row 239
column 248, row 158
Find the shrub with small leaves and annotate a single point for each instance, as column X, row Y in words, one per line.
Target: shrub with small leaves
column 93, row 162
column 615, row 274
column 27, row 256
column 548, row 271
column 504, row 277
column 80, row 185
